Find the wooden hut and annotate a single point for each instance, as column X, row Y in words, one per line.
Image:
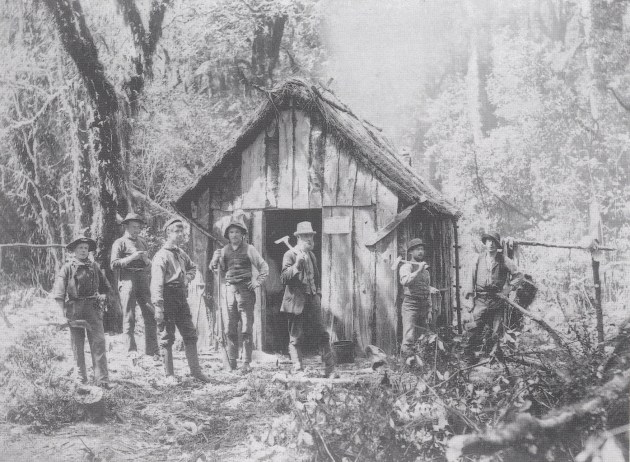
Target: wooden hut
column 305, row 156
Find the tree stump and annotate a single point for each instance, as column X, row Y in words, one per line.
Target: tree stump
column 91, row 398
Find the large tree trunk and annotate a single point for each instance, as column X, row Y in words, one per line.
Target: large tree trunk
column 113, row 194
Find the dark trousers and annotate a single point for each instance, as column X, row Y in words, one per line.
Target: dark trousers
column 311, row 319
column 240, row 307
column 414, row 313
column 134, row 286
column 488, row 323
column 177, row 315
column 87, row 310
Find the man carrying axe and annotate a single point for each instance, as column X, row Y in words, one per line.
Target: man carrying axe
column 302, row 298
column 235, row 261
column 416, row 305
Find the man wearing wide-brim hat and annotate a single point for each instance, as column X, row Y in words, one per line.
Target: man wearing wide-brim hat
column 80, row 290
column 236, row 261
column 488, row 279
column 416, row 306
column 302, row 299
column 130, row 255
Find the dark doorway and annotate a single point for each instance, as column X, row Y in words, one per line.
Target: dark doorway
column 279, row 223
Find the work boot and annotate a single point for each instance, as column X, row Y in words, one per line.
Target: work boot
column 247, row 352
column 296, row 358
column 193, row 363
column 328, row 358
column 167, row 359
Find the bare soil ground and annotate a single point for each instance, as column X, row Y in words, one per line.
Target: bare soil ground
column 150, row 418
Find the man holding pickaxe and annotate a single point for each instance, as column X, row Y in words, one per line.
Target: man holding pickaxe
column 235, row 261
column 302, row 298
column 416, row 305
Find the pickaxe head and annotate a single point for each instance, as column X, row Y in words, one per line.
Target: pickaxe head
column 396, row 263
column 284, row 239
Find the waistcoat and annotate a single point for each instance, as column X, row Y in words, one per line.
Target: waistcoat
column 419, row 287
column 238, row 264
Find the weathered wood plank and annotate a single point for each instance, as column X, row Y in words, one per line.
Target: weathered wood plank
column 347, row 179
column 331, row 172
column 301, row 139
column 257, row 240
column 364, row 188
column 364, row 275
column 253, row 177
column 272, row 154
column 326, row 270
column 386, row 280
column 285, row 160
column 341, row 279
column 317, row 148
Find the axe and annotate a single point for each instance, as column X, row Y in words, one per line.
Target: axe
column 400, row 260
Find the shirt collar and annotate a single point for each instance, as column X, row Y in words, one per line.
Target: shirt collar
column 171, row 247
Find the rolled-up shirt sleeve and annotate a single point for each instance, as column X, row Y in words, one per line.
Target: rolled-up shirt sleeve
column 259, row 263
column 158, row 269
column 60, row 284
column 117, row 258
column 405, row 274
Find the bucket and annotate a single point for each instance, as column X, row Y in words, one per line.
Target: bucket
column 344, row 351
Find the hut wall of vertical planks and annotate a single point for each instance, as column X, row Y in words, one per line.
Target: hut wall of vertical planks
column 305, row 155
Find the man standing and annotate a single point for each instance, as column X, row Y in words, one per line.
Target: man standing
column 235, row 262
column 80, row 291
column 416, row 305
column 130, row 256
column 171, row 272
column 488, row 280
column 302, row 299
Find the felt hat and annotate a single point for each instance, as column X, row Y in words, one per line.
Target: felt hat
column 238, row 222
column 133, row 217
column 170, row 222
column 415, row 243
column 494, row 236
column 81, row 238
column 304, row 227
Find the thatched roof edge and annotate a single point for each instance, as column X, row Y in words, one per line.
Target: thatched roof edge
column 368, row 146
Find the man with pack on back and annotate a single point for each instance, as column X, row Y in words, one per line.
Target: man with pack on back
column 80, row 290
column 235, row 261
column 130, row 256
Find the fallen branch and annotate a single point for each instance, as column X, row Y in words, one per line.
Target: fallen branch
column 288, row 380
column 529, row 430
column 541, row 322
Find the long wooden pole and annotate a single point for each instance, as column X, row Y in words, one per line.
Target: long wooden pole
column 562, row 246
column 458, row 303
column 40, row 246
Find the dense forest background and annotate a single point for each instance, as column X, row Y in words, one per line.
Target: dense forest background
column 518, row 112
